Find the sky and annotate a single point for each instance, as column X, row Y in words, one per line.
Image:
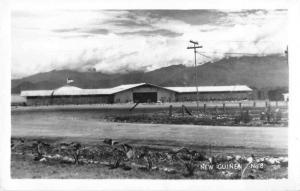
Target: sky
column 119, row 41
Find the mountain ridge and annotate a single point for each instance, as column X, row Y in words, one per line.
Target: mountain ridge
column 254, row 71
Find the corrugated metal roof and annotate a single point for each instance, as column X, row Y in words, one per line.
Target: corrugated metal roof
column 30, row 93
column 67, row 90
column 125, row 87
column 105, row 91
column 72, row 90
column 210, row 89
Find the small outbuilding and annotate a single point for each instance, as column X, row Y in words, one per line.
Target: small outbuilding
column 286, row 96
column 17, row 100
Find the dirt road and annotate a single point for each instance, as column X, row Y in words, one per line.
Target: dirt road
column 87, row 130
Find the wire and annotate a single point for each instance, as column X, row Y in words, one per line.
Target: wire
column 237, row 41
column 204, row 55
column 243, row 53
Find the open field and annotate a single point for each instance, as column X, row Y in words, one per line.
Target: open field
column 238, row 113
column 265, row 140
column 88, row 126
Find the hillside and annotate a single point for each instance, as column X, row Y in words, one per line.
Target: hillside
column 259, row 72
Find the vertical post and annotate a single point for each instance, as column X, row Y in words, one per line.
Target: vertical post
column 204, row 108
column 196, row 81
column 170, row 110
column 269, row 113
column 224, row 107
column 266, row 104
column 254, row 104
column 241, row 112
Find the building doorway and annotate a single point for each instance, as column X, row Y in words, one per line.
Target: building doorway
column 145, row 97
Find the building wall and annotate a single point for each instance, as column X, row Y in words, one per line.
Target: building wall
column 38, row 101
column 16, row 100
column 166, row 96
column 127, row 96
column 123, row 97
column 65, row 100
column 213, row 96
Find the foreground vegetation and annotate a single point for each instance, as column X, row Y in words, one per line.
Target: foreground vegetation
column 52, row 158
column 212, row 116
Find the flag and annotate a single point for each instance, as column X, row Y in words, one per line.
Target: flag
column 69, row 81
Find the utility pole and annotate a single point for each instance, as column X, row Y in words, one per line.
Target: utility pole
column 195, row 46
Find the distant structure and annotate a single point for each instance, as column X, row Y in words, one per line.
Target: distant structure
column 286, row 96
column 212, row 93
column 142, row 93
column 17, row 100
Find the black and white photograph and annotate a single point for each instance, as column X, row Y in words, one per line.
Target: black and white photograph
column 149, row 93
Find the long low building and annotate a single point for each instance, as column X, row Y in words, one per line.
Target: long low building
column 142, row 93
column 212, row 93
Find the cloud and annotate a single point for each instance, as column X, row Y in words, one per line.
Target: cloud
column 87, row 31
column 123, row 40
column 192, row 17
column 160, row 32
column 23, row 14
column 97, row 31
column 129, row 23
column 66, row 30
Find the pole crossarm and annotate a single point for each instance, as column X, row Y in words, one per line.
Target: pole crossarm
column 194, row 47
column 194, row 42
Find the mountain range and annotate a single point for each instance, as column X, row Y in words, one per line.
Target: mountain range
column 255, row 71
